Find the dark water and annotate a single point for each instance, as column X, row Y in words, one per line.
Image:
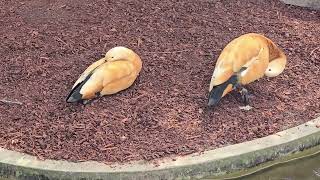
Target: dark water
column 304, row 165
column 301, row 169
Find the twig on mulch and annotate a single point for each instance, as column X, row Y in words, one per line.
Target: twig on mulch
column 168, row 52
column 193, row 137
column 5, row 101
column 314, row 50
column 60, row 40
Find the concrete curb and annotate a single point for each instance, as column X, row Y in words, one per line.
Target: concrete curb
column 313, row 4
column 213, row 162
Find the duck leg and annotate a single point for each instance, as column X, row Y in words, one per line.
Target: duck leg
column 85, row 102
column 242, row 90
column 245, row 96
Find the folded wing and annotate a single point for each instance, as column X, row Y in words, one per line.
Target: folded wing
column 88, row 71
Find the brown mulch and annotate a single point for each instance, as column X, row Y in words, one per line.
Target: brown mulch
column 45, row 45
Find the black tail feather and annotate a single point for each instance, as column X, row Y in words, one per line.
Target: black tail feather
column 74, row 95
column 217, row 91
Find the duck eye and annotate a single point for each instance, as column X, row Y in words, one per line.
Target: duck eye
column 112, row 57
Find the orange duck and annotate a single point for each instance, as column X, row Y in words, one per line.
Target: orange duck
column 113, row 73
column 244, row 60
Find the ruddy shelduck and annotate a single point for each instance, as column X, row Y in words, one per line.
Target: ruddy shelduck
column 115, row 72
column 244, row 60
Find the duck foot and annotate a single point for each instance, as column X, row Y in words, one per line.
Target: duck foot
column 245, row 99
column 246, row 108
column 85, row 102
column 244, row 96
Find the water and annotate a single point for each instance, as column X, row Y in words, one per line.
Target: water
column 301, row 169
column 304, row 165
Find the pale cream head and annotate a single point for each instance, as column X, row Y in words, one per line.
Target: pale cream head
column 119, row 53
column 276, row 67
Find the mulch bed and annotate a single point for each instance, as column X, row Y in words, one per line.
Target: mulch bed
column 45, row 45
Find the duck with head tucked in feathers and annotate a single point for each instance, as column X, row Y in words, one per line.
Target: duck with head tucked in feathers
column 244, row 60
column 113, row 73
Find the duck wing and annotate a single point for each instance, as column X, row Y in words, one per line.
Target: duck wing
column 105, row 74
column 74, row 94
column 89, row 70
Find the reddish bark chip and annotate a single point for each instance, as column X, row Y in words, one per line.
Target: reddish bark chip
column 44, row 48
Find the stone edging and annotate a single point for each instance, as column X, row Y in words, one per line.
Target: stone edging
column 213, row 162
column 313, row 4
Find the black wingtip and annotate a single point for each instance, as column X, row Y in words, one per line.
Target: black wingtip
column 215, row 95
column 216, row 92
column 73, row 99
column 74, row 95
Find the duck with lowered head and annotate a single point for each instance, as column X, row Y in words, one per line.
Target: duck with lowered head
column 244, row 60
column 113, row 73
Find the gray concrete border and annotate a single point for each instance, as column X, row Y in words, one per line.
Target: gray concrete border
column 213, row 162
column 312, row 4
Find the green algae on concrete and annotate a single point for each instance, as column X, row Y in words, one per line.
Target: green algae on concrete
column 244, row 174
column 209, row 163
